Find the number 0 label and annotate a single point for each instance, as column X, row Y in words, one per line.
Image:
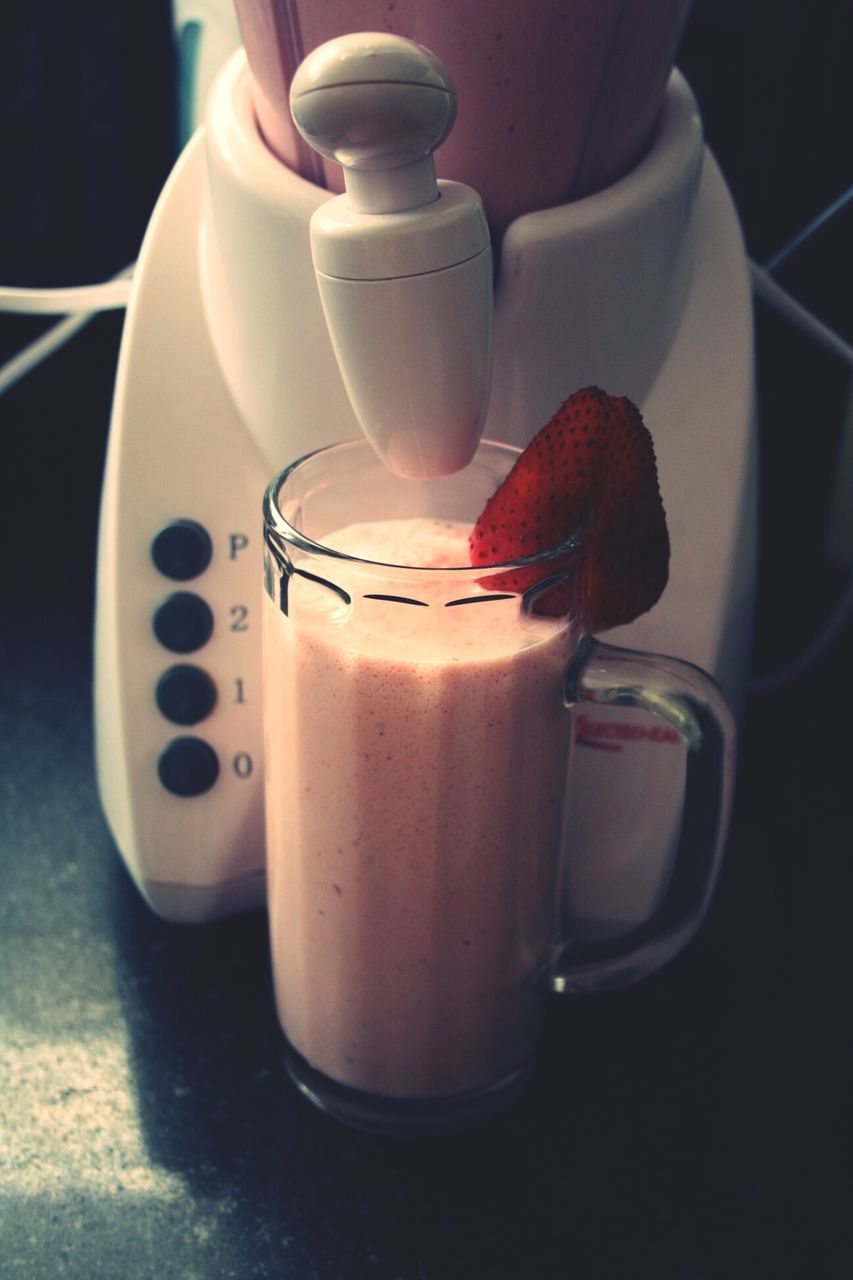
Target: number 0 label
column 243, row 764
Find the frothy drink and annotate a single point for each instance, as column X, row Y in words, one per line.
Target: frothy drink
column 557, row 99
column 413, row 833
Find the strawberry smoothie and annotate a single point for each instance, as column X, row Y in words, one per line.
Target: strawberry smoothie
column 413, row 836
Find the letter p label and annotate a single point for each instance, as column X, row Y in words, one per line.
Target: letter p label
column 237, row 542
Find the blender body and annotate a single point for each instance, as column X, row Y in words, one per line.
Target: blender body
column 227, row 372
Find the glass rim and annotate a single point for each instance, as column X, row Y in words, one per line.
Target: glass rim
column 277, row 524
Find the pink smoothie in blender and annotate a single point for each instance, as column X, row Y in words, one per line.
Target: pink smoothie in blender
column 556, row 99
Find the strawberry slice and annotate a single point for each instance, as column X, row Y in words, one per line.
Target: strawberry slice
column 590, row 469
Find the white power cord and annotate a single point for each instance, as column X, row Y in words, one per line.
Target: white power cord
column 798, row 666
column 110, row 296
column 766, row 288
column 33, row 355
column 79, row 304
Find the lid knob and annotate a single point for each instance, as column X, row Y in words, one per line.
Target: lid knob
column 378, row 105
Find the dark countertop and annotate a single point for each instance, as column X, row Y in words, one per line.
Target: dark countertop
column 694, row 1127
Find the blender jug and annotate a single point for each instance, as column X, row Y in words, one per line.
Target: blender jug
column 557, row 99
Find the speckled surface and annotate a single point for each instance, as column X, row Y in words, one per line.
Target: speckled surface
column 691, row 1128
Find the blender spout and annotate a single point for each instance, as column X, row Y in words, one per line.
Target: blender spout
column 403, row 263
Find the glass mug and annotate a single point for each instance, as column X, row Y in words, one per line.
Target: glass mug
column 418, row 734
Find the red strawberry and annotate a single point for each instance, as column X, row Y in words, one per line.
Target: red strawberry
column 592, row 465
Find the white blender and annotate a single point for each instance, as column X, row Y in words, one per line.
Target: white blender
column 227, row 372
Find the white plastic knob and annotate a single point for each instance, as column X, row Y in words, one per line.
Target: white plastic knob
column 403, row 263
column 378, row 105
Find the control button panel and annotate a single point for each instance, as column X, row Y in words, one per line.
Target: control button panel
column 188, row 766
column 185, row 694
column 183, row 622
column 182, row 550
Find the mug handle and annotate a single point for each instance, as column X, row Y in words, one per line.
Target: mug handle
column 687, row 699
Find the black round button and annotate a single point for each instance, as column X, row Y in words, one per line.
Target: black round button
column 182, row 550
column 185, row 694
column 183, row 622
column 188, row 767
